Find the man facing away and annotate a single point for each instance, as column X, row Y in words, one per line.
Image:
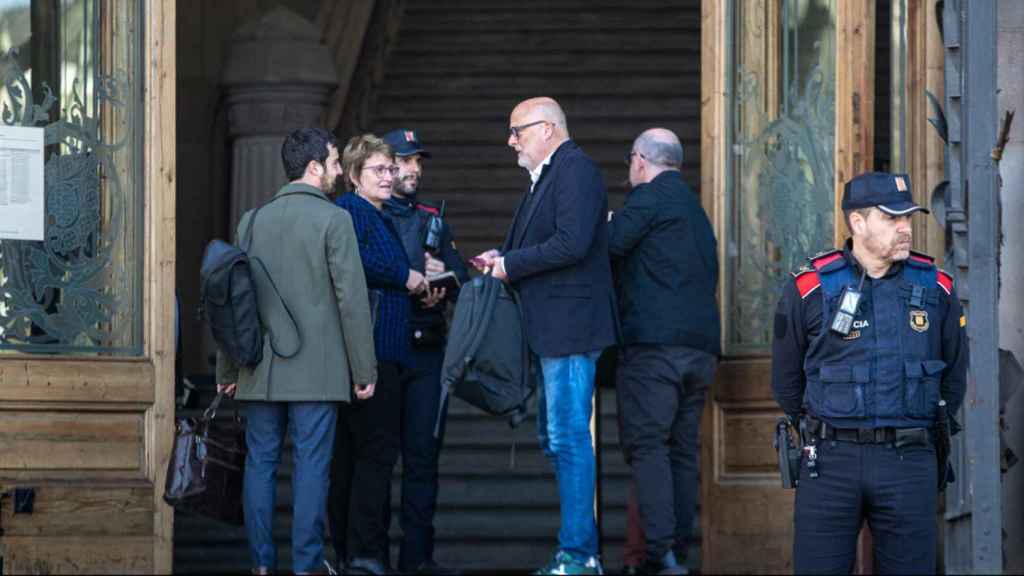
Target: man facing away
column 667, row 274
column 556, row 256
column 421, row 383
column 309, row 250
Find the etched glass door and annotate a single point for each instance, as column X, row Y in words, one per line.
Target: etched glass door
column 779, row 194
column 71, row 68
column 771, row 117
column 86, row 396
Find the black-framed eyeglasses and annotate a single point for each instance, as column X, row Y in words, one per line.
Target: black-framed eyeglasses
column 380, row 169
column 515, row 130
column 629, row 157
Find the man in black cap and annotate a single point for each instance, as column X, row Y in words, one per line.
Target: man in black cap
column 869, row 356
column 431, row 250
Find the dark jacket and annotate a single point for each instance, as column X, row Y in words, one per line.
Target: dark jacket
column 387, row 270
column 411, row 218
column 556, row 256
column 667, row 266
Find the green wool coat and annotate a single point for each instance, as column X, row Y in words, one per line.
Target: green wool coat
column 310, row 250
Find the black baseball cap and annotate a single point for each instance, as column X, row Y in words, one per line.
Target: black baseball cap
column 889, row 192
column 405, row 143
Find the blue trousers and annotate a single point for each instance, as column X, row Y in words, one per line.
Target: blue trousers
column 311, row 425
column 893, row 489
column 563, row 425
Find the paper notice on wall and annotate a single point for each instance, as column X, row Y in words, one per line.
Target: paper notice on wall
column 22, row 202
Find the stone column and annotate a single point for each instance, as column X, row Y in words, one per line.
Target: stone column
column 278, row 77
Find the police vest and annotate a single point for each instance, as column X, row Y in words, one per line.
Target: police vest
column 887, row 370
column 411, row 223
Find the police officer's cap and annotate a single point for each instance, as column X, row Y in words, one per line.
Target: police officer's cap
column 405, row 143
column 889, row 192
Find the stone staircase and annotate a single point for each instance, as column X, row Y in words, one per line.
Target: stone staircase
column 458, row 69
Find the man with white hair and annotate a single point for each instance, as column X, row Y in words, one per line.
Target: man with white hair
column 667, row 276
column 556, row 256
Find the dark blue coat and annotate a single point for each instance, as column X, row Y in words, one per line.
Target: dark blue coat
column 387, row 269
column 556, row 256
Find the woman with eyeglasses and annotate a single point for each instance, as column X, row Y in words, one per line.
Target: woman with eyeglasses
column 368, row 431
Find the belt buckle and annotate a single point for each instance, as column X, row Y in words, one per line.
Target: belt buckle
column 865, row 435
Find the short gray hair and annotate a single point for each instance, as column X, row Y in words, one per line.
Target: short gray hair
column 660, row 147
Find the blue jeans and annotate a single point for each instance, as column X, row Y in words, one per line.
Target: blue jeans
column 311, row 425
column 563, row 425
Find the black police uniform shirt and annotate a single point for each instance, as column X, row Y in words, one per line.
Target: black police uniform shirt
column 411, row 218
column 905, row 350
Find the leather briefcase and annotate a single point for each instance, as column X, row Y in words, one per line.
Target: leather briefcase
column 207, row 465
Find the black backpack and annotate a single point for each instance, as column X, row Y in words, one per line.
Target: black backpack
column 488, row 361
column 228, row 299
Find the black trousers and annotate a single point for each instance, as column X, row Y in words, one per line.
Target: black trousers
column 661, row 391
column 421, row 399
column 893, row 489
column 365, row 451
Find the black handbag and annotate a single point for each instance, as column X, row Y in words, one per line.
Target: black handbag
column 207, row 466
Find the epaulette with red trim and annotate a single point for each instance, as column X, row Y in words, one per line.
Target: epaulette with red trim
column 945, row 281
column 428, row 208
column 824, row 258
column 806, row 279
column 920, row 258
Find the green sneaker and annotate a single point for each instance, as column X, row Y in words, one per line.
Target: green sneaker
column 564, row 563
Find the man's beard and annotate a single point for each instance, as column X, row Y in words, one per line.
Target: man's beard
column 406, row 189
column 895, row 251
column 328, row 185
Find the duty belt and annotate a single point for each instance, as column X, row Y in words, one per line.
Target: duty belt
column 901, row 436
column 859, row 435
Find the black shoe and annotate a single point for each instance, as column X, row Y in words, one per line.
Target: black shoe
column 367, row 566
column 433, row 568
column 666, row 565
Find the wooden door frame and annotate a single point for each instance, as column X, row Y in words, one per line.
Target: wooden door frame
column 160, row 184
column 129, row 385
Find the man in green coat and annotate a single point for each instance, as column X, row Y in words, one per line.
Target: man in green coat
column 317, row 347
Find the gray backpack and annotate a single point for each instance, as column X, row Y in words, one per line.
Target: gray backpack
column 488, row 362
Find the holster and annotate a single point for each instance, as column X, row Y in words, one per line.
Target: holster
column 788, row 453
column 943, row 469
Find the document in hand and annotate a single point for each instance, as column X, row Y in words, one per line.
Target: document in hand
column 447, row 280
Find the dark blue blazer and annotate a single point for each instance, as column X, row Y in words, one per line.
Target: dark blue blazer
column 556, row 256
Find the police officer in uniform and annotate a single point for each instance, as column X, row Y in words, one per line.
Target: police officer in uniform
column 869, row 341
column 430, row 252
